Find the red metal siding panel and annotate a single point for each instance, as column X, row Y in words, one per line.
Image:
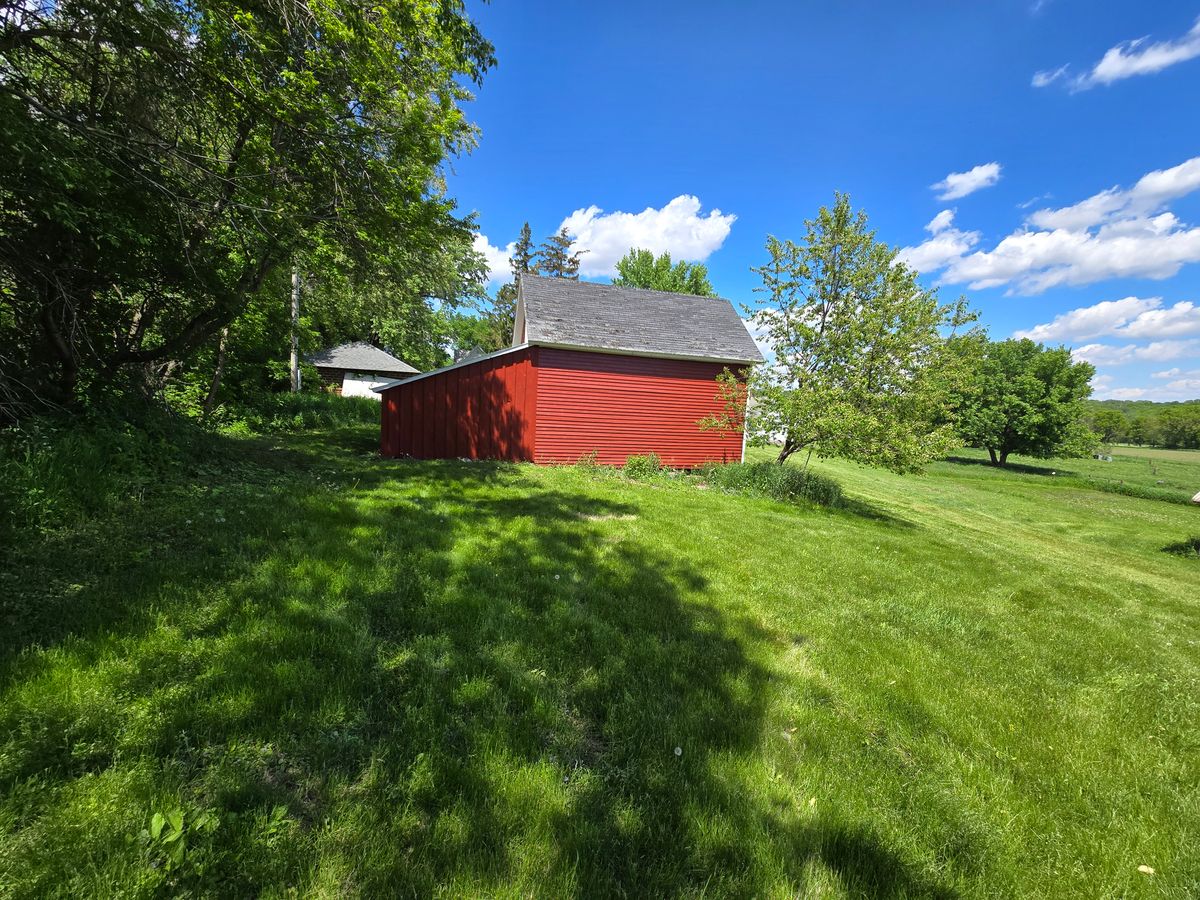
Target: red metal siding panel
column 622, row 405
column 480, row 411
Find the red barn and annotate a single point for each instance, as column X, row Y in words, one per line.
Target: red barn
column 594, row 368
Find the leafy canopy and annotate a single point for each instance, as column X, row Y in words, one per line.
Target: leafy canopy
column 161, row 162
column 642, row 269
column 861, row 368
column 1027, row 398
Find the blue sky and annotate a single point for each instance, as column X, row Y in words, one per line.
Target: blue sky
column 1042, row 158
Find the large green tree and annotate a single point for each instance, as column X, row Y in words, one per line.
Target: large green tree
column 161, row 162
column 1028, row 399
column 862, row 367
column 1179, row 426
column 642, row 269
column 1108, row 424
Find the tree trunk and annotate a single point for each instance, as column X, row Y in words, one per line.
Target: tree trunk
column 210, row 401
column 295, row 360
column 789, row 447
column 992, row 454
column 1004, row 458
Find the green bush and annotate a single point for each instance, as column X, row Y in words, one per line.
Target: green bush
column 643, row 466
column 766, row 479
column 269, row 413
column 56, row 470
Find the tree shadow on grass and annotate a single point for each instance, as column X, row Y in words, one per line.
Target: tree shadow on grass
column 1188, row 548
column 447, row 676
column 1021, row 468
column 865, row 510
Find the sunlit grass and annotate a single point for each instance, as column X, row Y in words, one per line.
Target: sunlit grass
column 387, row 678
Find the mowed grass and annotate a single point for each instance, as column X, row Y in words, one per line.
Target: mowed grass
column 347, row 676
column 1172, row 475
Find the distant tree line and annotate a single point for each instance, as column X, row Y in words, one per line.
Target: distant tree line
column 1175, row 426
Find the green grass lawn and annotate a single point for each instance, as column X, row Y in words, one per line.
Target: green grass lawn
column 304, row 669
column 1172, row 475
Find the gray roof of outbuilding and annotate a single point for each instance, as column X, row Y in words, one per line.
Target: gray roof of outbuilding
column 584, row 314
column 359, row 356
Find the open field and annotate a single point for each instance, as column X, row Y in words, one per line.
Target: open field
column 1190, row 457
column 1160, row 474
column 346, row 676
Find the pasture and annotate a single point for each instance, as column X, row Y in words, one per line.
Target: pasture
column 300, row 668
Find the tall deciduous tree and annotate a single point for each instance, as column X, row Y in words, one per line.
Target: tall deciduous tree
column 862, row 368
column 1179, row 426
column 1109, row 424
column 1138, row 431
column 1026, row 398
column 642, row 269
column 159, row 162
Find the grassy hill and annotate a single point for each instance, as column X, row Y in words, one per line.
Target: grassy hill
column 296, row 666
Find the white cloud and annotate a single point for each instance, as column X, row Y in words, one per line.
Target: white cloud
column 678, row 228
column 960, row 184
column 947, row 244
column 1128, row 59
column 1151, row 192
column 1126, row 394
column 941, row 221
column 1178, row 390
column 1132, row 317
column 1113, row 234
column 1175, row 321
column 1157, row 351
column 1177, row 372
column 1032, row 200
column 497, row 259
column 1043, row 79
column 1139, row 58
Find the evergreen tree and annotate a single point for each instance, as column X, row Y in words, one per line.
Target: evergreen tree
column 522, row 259
column 505, row 306
column 555, row 259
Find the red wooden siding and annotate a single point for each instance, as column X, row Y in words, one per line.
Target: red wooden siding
column 484, row 410
column 550, row 405
column 622, row 405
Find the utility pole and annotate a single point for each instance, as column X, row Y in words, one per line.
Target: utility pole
column 295, row 360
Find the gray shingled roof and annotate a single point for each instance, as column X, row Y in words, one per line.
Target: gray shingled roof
column 584, row 314
column 359, row 356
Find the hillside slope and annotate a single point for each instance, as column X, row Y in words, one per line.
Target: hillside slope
column 343, row 675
